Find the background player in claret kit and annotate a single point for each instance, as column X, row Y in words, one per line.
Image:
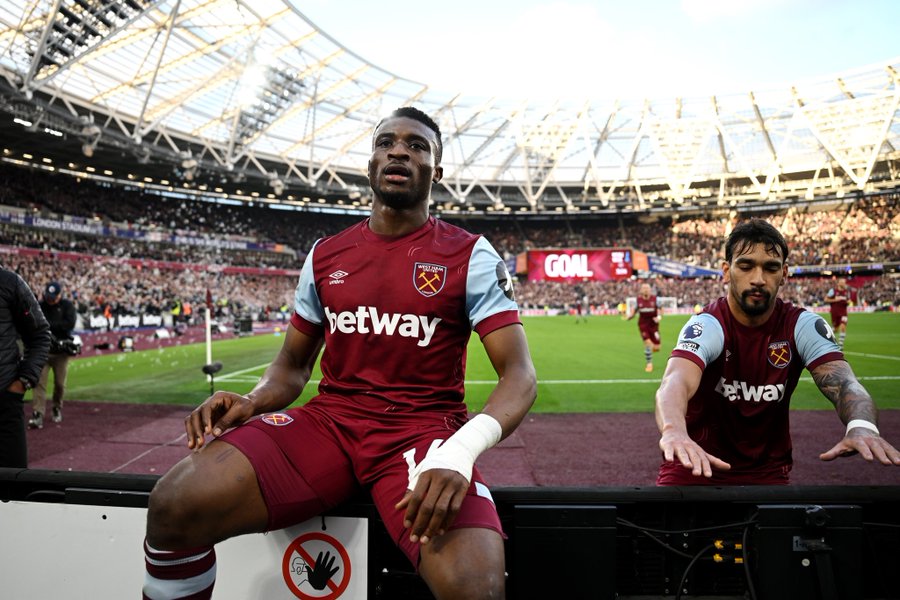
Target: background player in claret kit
column 394, row 299
column 582, row 305
column 839, row 298
column 722, row 405
column 648, row 322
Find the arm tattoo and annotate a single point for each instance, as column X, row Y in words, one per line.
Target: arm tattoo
column 839, row 384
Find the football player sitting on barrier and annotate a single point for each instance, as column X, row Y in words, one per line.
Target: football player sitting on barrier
column 394, row 299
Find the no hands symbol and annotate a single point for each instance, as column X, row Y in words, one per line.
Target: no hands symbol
column 300, row 558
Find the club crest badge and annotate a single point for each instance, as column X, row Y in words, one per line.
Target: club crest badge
column 779, row 354
column 428, row 278
column 277, row 419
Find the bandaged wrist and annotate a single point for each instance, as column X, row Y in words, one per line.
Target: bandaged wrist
column 459, row 452
column 862, row 423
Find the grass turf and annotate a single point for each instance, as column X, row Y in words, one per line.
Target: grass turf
column 596, row 366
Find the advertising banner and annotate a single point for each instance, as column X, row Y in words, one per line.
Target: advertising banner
column 673, row 268
column 572, row 265
column 99, row 321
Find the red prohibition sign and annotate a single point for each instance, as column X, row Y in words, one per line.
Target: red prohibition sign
column 297, row 547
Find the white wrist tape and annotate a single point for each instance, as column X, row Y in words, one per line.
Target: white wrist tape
column 862, row 423
column 459, row 452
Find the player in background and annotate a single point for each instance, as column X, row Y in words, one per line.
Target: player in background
column 648, row 323
column 393, row 300
column 838, row 298
column 722, row 407
column 582, row 305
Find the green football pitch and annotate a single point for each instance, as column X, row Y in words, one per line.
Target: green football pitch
column 592, row 367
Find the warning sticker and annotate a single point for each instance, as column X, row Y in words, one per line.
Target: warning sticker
column 316, row 566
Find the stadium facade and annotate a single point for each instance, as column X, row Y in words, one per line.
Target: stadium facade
column 251, row 102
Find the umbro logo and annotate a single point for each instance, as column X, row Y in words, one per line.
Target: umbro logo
column 337, row 277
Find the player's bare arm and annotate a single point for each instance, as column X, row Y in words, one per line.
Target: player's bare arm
column 839, row 384
column 516, row 391
column 280, row 385
column 436, row 500
column 679, row 383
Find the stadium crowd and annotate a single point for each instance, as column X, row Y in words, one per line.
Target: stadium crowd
column 112, row 274
column 863, row 232
column 803, row 291
column 108, row 287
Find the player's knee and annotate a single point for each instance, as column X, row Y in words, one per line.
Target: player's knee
column 172, row 516
column 480, row 583
column 473, row 569
column 163, row 516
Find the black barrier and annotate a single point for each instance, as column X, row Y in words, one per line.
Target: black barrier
column 558, row 545
column 810, row 548
column 766, row 542
column 243, row 325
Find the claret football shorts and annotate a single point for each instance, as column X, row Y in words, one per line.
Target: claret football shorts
column 313, row 458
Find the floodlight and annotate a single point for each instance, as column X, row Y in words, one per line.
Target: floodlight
column 277, row 185
column 89, row 134
column 143, row 155
column 189, row 164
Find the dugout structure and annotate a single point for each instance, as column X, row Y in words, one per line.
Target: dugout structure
column 765, row 542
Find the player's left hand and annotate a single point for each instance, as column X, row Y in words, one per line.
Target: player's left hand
column 867, row 444
column 434, row 503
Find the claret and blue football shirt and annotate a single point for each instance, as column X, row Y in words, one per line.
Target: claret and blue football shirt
column 398, row 312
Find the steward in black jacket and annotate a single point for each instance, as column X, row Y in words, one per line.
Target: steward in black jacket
column 20, row 369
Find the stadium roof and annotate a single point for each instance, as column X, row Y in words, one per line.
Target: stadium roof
column 237, row 94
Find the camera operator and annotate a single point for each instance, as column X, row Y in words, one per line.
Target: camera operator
column 20, row 368
column 60, row 313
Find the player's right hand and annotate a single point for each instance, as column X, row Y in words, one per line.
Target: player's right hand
column 431, row 508
column 216, row 415
column 680, row 447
